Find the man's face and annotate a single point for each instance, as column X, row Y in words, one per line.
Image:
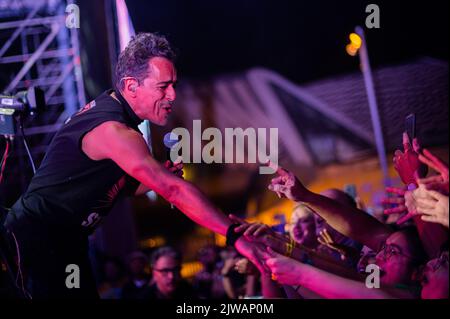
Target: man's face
column 395, row 260
column 166, row 273
column 156, row 93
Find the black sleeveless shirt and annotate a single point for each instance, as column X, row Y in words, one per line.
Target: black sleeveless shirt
column 69, row 190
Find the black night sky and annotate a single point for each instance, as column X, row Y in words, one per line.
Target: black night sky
column 302, row 40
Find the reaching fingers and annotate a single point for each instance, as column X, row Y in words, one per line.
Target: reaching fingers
column 262, row 254
column 405, row 218
column 277, row 180
column 430, row 163
column 433, row 162
column 323, row 238
column 328, row 236
column 277, row 188
column 252, row 228
column 406, row 142
column 272, row 253
column 431, row 179
column 429, row 218
column 322, row 241
column 433, row 186
column 395, row 190
column 237, row 219
column 393, row 200
column 261, row 230
column 426, row 211
column 424, row 203
column 416, row 145
column 436, row 195
column 242, row 228
column 441, row 165
column 282, row 172
column 395, row 210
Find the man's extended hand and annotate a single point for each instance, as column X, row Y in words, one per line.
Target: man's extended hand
column 260, row 233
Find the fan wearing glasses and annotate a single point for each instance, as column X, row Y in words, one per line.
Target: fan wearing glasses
column 166, row 271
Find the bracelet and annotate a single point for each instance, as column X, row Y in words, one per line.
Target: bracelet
column 232, row 236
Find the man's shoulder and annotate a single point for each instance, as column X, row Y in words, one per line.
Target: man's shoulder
column 101, row 105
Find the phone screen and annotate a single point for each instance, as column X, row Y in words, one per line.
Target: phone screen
column 410, row 126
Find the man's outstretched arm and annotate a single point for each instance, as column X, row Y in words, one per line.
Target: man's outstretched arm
column 126, row 147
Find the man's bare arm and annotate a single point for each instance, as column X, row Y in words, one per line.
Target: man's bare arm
column 126, row 147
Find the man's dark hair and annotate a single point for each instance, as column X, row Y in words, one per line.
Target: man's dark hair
column 133, row 61
column 165, row 251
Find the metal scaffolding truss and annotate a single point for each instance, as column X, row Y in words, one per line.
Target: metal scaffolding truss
column 37, row 49
column 45, row 53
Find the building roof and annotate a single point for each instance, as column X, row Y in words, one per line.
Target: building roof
column 419, row 87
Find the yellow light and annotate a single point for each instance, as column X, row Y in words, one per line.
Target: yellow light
column 190, row 269
column 351, row 50
column 188, row 173
column 152, row 242
column 355, row 40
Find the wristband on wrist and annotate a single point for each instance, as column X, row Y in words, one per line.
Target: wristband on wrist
column 232, row 236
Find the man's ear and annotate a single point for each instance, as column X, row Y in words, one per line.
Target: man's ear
column 131, row 86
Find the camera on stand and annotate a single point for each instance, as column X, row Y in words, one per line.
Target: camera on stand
column 22, row 104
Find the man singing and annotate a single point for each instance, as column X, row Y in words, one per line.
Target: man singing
column 98, row 155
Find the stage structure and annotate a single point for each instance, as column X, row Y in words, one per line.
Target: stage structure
column 39, row 47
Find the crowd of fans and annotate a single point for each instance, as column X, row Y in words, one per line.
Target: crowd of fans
column 332, row 248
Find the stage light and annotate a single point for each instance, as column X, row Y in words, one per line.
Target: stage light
column 152, row 242
column 351, row 49
column 355, row 40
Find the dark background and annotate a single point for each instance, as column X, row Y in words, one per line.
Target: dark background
column 302, row 40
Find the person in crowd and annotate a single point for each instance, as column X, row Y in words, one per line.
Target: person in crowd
column 114, row 279
column 302, row 226
column 234, row 283
column 411, row 166
column 434, row 278
column 208, row 282
column 138, row 279
column 399, row 252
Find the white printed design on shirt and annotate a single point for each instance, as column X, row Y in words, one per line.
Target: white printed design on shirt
column 94, row 218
